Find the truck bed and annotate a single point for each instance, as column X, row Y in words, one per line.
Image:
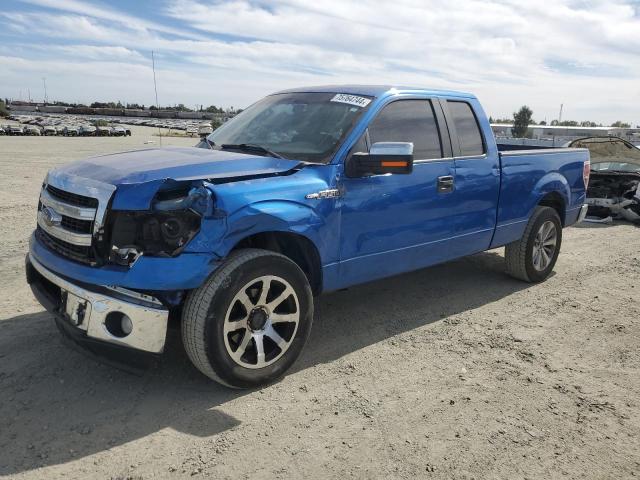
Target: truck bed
column 508, row 147
column 527, row 175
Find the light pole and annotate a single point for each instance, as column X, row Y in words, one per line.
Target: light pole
column 44, row 82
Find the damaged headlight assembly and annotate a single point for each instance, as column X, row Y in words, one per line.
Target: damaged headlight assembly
column 164, row 231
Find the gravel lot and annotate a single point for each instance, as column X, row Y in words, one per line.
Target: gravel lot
column 456, row 371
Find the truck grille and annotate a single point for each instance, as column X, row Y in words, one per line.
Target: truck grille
column 75, row 225
column 69, row 250
column 66, row 223
column 72, row 198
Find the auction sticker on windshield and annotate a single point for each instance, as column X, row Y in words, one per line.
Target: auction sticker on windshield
column 351, row 99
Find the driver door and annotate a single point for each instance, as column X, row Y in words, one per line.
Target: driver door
column 395, row 223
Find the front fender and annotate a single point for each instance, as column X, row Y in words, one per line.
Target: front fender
column 274, row 216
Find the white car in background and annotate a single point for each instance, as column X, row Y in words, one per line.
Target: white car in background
column 32, row 130
column 88, row 131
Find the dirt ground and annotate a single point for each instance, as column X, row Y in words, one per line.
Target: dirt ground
column 457, row 371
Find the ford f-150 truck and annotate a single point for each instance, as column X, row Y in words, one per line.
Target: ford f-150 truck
column 307, row 191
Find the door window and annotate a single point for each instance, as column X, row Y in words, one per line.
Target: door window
column 409, row 121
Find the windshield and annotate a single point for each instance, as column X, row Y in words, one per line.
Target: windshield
column 301, row 126
column 615, row 167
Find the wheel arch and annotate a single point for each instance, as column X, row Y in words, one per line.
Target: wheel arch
column 555, row 201
column 297, row 247
column 553, row 191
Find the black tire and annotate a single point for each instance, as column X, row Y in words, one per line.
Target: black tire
column 206, row 310
column 519, row 255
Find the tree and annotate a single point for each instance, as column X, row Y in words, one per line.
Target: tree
column 521, row 121
column 543, row 122
column 215, row 123
column 501, row 121
column 619, row 124
column 106, row 105
column 3, row 109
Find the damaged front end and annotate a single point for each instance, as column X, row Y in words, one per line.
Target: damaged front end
column 614, row 186
column 175, row 217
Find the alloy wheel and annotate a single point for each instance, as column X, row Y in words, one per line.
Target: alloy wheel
column 261, row 322
column 544, row 245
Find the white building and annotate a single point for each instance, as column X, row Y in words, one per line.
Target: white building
column 557, row 136
column 549, row 132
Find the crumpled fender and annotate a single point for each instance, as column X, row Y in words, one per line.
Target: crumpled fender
column 140, row 196
column 136, row 196
column 270, row 216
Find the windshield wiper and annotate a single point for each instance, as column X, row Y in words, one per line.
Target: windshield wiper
column 250, row 147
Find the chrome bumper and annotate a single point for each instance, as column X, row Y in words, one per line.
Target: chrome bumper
column 89, row 311
column 583, row 213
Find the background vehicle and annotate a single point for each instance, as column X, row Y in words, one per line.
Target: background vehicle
column 15, row 130
column 31, row 130
column 71, row 131
column 614, row 188
column 87, row 130
column 306, row 191
column 118, row 131
column 204, row 129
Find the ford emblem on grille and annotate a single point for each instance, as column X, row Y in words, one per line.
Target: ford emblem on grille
column 51, row 217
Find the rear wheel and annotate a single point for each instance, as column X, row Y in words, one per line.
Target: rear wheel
column 248, row 323
column 533, row 257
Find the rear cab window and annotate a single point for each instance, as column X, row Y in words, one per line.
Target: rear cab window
column 467, row 128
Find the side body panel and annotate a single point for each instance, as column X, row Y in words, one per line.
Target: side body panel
column 477, row 187
column 527, row 176
column 395, row 223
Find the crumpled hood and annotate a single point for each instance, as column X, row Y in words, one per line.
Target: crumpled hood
column 609, row 149
column 175, row 163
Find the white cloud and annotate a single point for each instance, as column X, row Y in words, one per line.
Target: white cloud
column 580, row 53
column 108, row 14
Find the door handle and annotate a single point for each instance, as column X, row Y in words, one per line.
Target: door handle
column 445, row 184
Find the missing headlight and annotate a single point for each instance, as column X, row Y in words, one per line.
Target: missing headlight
column 163, row 232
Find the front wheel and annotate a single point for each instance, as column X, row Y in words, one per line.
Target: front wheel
column 247, row 324
column 533, row 257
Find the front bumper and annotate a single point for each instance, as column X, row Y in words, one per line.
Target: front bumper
column 184, row 272
column 88, row 313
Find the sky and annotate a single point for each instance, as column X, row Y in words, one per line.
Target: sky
column 584, row 54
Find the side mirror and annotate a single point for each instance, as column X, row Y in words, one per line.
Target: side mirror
column 383, row 157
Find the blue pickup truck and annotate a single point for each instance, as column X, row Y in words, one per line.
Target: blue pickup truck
column 306, row 191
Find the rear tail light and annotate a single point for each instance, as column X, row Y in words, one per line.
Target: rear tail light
column 586, row 171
